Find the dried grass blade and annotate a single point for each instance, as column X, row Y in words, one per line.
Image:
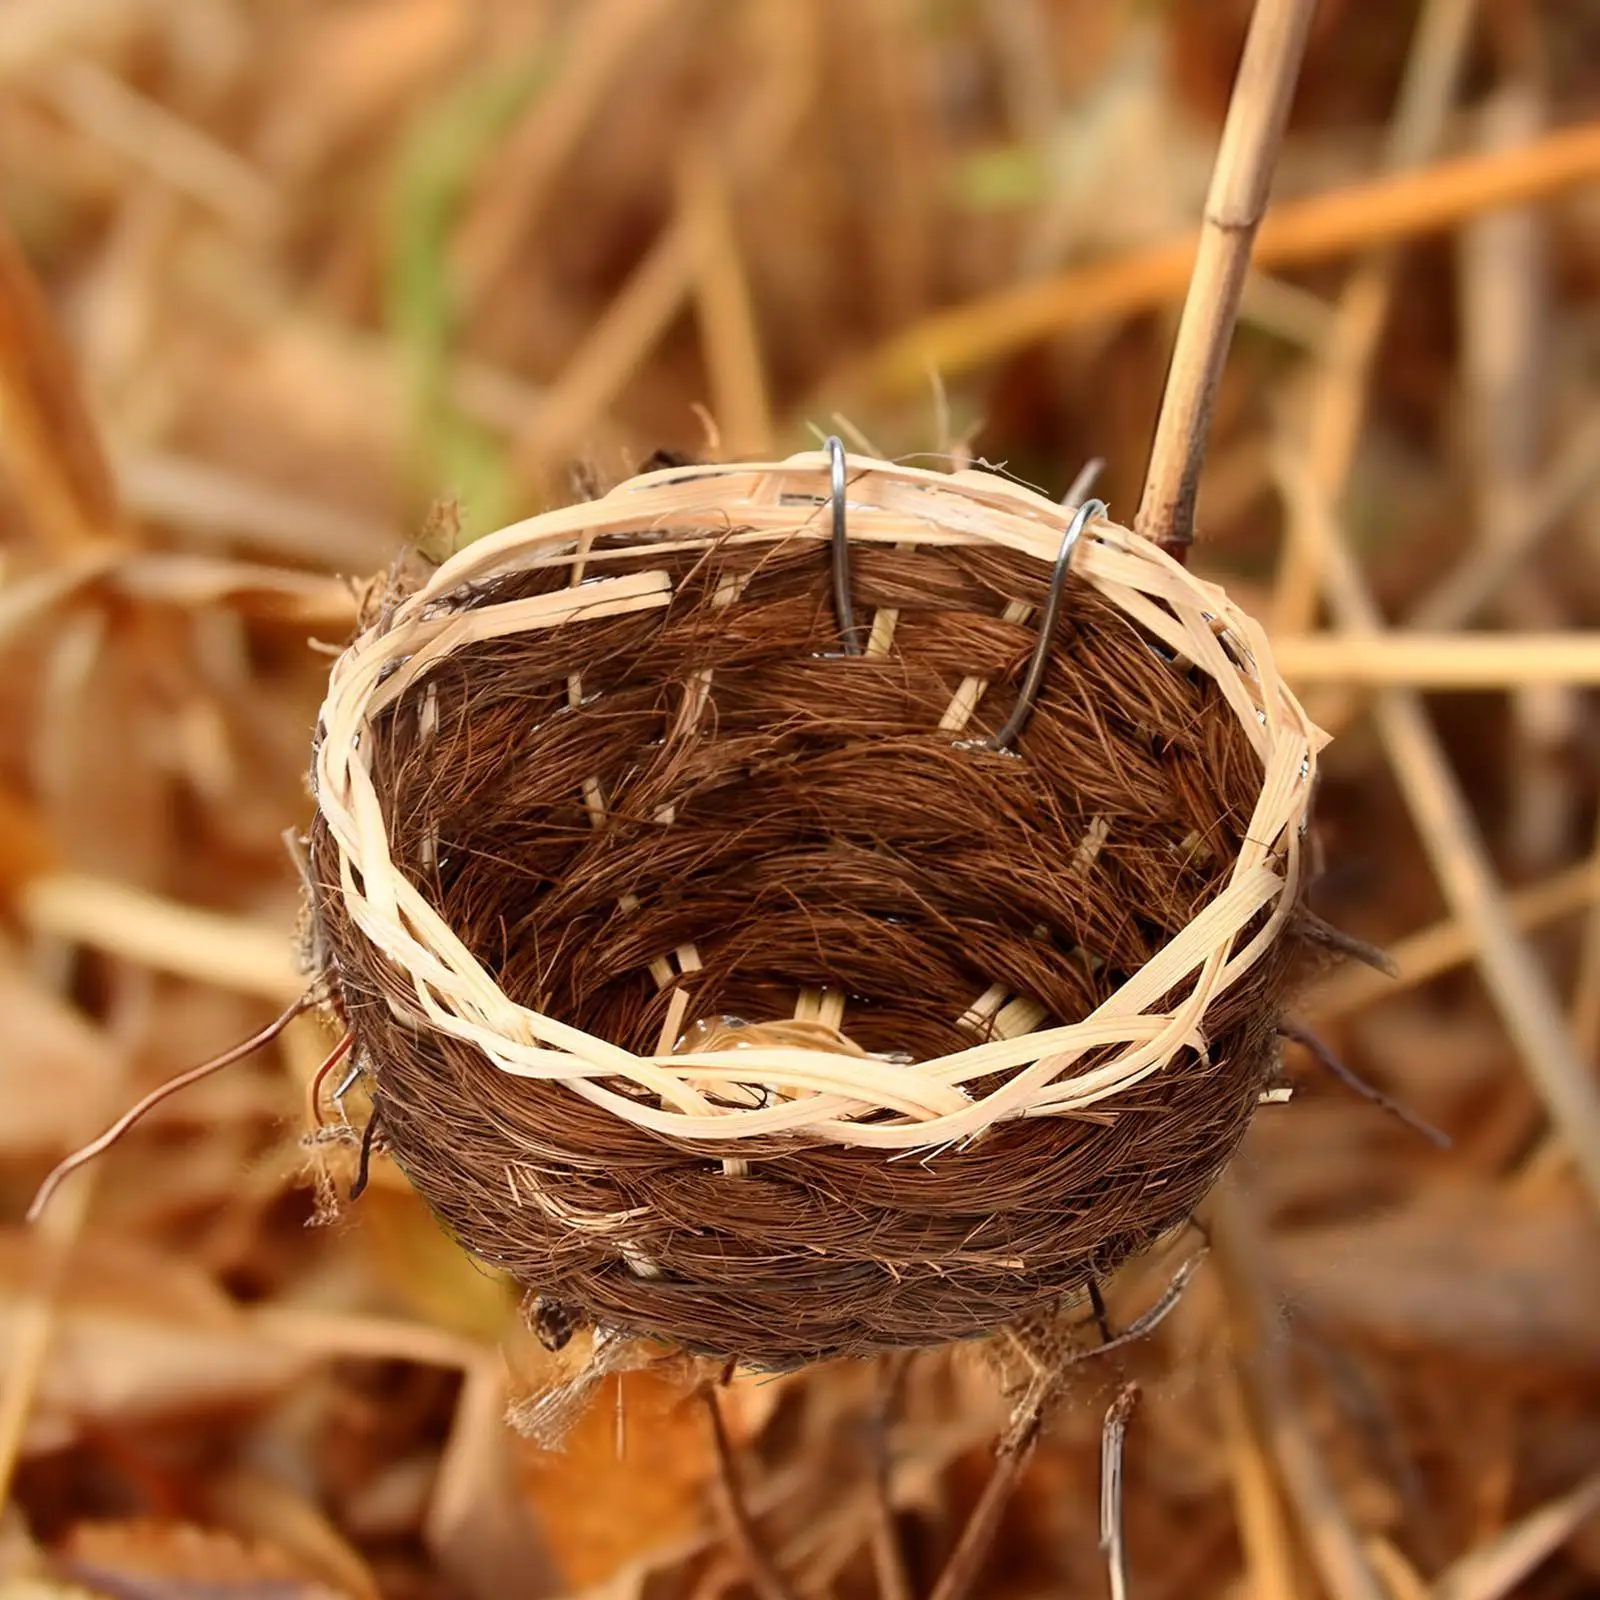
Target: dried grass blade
column 1383, row 210
column 1517, row 983
column 53, row 446
column 1496, row 1569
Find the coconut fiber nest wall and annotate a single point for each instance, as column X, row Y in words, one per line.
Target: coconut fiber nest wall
column 738, row 954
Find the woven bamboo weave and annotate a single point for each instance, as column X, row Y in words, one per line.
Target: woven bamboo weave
column 599, row 599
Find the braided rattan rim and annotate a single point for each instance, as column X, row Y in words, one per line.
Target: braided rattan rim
column 815, row 1093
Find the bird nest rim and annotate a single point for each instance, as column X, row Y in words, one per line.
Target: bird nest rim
column 813, row 1093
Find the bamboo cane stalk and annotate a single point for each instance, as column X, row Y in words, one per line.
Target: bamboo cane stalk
column 1251, row 138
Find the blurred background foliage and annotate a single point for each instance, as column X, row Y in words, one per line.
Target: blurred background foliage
column 278, row 274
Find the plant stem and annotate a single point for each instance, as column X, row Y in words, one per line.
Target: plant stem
column 1235, row 205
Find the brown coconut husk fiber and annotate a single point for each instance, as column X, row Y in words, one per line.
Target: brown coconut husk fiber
column 722, row 986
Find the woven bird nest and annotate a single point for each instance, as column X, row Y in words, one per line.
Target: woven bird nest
column 723, row 985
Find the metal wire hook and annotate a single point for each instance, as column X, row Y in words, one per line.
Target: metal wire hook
column 369, row 1137
column 1047, row 623
column 834, row 445
column 347, row 1085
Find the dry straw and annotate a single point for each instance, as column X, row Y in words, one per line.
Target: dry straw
column 725, row 985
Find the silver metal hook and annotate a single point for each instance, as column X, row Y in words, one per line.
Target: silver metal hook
column 1047, row 623
column 346, row 1086
column 1088, row 477
column 834, row 445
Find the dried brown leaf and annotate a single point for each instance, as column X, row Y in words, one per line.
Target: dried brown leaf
column 44, row 1589
column 1471, row 1273
column 139, row 1335
column 272, row 1514
column 176, row 1561
column 27, row 844
column 425, row 1267
column 642, row 1445
column 55, row 1070
column 51, row 444
column 480, row 1526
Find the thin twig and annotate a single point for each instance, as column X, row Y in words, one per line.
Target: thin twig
column 510, row 200
column 1467, row 589
column 1327, row 1058
column 175, row 152
column 1395, row 1572
column 33, row 1324
column 320, row 1076
column 1088, row 475
column 206, row 946
column 1495, row 1569
column 729, row 334
column 1102, row 1319
column 1584, row 1011
column 1264, row 1532
column 50, row 441
column 763, row 1575
column 211, row 506
column 1257, row 113
column 1112, row 1434
column 369, row 1139
column 1505, row 284
column 965, row 1566
column 96, row 1147
column 1449, row 943
column 1147, row 1322
column 1586, row 986
column 1376, row 959
column 613, row 350
column 329, row 1334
